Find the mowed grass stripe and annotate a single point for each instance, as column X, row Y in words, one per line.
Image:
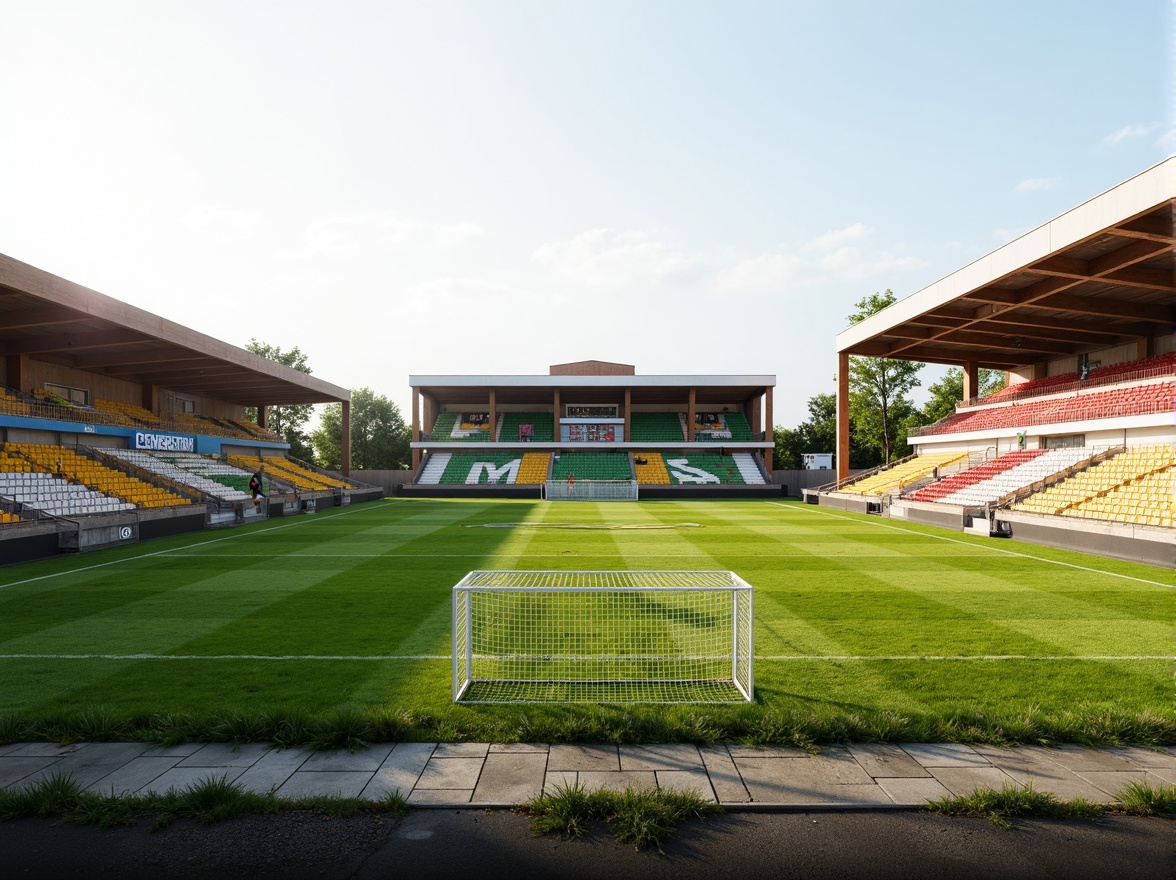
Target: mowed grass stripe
column 847, row 615
column 242, row 604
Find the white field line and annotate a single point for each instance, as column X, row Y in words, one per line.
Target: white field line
column 172, row 552
column 981, row 546
column 771, row 657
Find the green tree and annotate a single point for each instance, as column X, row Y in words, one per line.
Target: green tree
column 817, row 434
column 880, row 410
column 379, row 435
column 949, row 391
column 287, row 422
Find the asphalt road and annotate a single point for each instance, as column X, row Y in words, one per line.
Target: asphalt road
column 490, row 845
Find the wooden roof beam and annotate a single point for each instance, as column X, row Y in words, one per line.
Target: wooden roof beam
column 1156, row 226
column 1161, row 314
column 29, row 319
column 70, row 342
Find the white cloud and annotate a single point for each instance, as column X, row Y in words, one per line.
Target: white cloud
column 225, row 224
column 1129, row 132
column 610, row 258
column 377, row 232
column 829, row 256
column 1033, row 184
column 838, row 237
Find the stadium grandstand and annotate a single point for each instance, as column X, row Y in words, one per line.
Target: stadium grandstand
column 1077, row 450
column 117, row 425
column 592, row 430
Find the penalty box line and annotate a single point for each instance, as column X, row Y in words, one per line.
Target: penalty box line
column 981, row 546
column 176, row 551
column 855, row 658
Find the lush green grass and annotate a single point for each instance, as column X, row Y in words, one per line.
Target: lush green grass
column 865, row 629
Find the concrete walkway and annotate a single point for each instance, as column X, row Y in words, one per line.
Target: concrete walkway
column 500, row 775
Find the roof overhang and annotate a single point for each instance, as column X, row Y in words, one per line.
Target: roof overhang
column 54, row 320
column 1100, row 275
column 537, row 390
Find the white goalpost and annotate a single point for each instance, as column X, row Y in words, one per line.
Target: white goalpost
column 603, row 637
column 591, row 490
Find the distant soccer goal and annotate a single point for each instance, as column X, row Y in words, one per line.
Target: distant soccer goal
column 591, row 490
column 602, row 637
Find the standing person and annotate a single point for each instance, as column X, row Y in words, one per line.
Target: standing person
column 571, row 483
column 255, row 487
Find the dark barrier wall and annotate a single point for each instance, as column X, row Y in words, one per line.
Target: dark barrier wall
column 176, row 525
column 28, row 547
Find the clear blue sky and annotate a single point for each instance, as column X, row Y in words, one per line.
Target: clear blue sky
column 493, row 187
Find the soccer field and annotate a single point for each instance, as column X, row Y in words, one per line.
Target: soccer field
column 865, row 627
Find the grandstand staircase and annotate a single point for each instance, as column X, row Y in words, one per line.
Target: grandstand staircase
column 434, row 468
column 749, row 468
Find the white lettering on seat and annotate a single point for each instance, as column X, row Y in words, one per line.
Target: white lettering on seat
column 687, row 474
column 494, row 473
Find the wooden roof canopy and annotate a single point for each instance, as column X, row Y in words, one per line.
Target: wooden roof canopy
column 54, row 320
column 1101, row 275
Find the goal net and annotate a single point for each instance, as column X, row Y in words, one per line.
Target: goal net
column 591, row 490
column 602, row 637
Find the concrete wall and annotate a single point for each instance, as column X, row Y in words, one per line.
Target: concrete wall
column 796, row 481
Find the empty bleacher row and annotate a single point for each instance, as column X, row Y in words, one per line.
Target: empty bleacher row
column 533, row 468
column 1157, row 366
column 1144, row 399
column 44, row 404
column 1136, row 485
column 62, row 481
column 645, row 427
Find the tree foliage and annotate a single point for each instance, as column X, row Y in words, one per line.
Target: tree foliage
column 881, row 413
column 286, row 421
column 949, row 391
column 817, row 434
column 379, row 435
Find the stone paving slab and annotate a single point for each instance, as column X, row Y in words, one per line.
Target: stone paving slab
column 459, row 773
column 510, row 778
column 573, row 756
column 696, row 781
column 944, row 755
column 226, row 755
column 678, row 756
column 92, row 764
column 272, row 769
column 433, row 774
column 724, row 775
column 319, row 783
column 133, row 775
column 400, row 770
column 886, row 760
column 15, row 770
column 963, row 781
column 619, row 780
column 342, row 761
column 913, row 791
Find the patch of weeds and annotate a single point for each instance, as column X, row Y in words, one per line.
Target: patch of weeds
column 1013, row 802
column 343, row 729
column 1143, row 799
column 643, row 818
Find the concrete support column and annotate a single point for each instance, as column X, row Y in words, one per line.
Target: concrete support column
column 494, row 416
column 628, row 415
column 345, row 442
column 842, row 415
column 690, row 417
column 261, row 417
column 416, row 427
column 150, row 399
column 555, row 403
column 1144, row 347
column 971, row 380
column 770, row 429
column 428, row 414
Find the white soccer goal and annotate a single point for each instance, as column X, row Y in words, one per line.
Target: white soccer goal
column 591, row 490
column 602, row 637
